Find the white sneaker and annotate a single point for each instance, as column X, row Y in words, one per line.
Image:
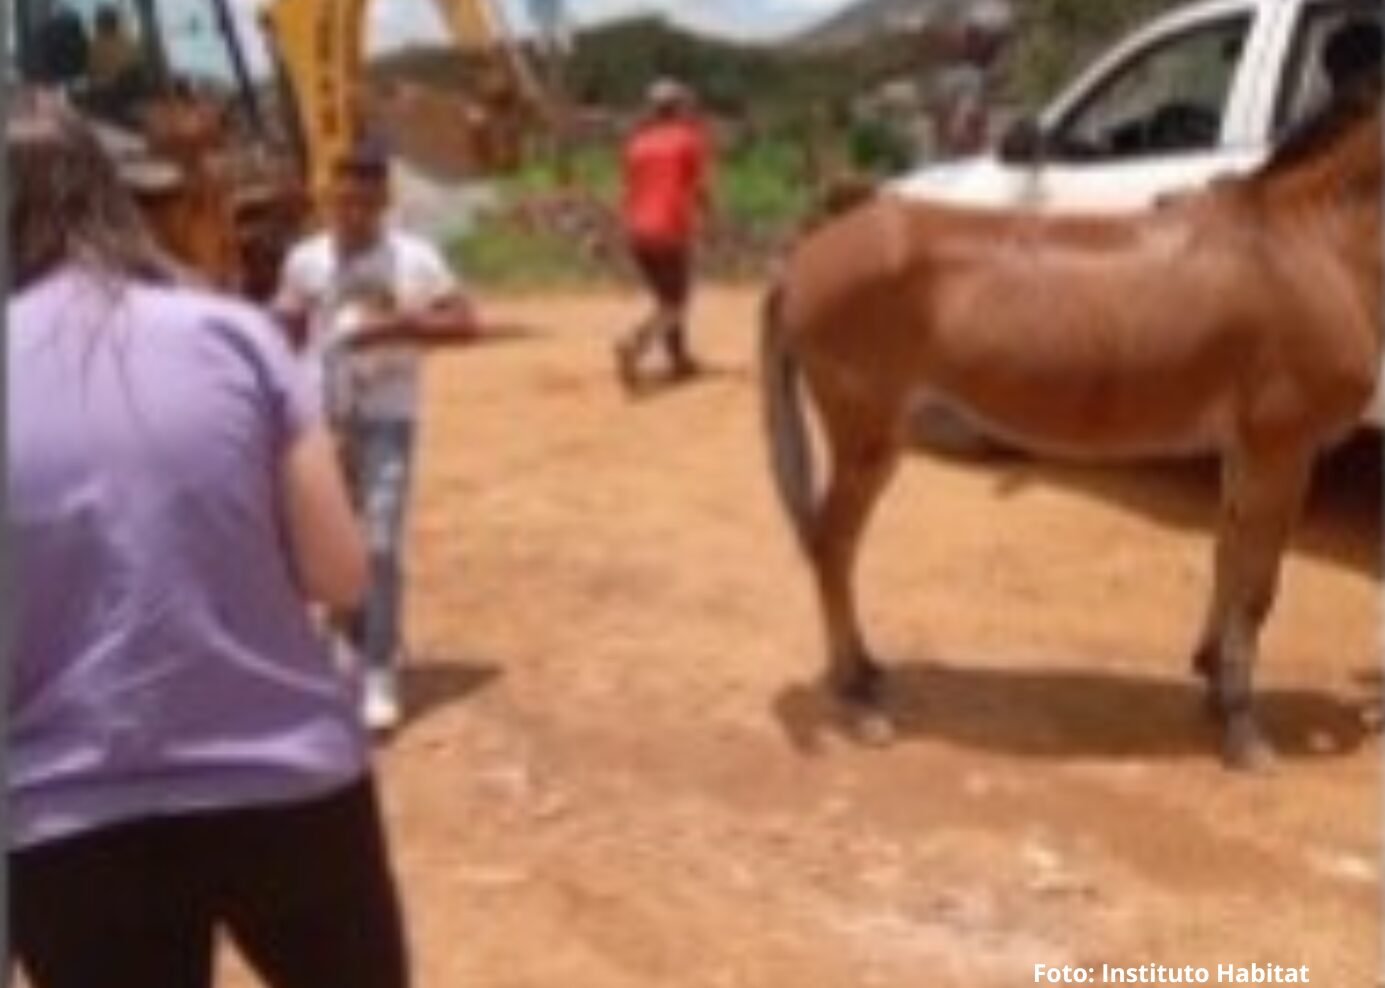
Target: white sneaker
column 380, row 707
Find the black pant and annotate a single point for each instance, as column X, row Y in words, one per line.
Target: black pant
column 666, row 270
column 304, row 890
column 667, row 273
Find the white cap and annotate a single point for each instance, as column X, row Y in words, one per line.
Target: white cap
column 667, row 92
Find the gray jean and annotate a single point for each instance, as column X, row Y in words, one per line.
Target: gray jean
column 381, row 454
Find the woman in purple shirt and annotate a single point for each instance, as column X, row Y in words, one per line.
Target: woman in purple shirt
column 183, row 757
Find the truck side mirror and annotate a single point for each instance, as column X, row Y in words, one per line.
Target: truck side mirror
column 1024, row 143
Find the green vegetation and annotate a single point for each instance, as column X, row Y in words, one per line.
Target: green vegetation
column 592, row 168
column 763, row 185
column 548, row 231
column 787, row 123
column 499, row 255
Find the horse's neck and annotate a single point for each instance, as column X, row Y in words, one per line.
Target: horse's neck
column 1349, row 158
column 1333, row 193
column 1336, row 213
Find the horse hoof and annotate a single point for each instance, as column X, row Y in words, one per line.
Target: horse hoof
column 1205, row 663
column 1245, row 749
column 873, row 728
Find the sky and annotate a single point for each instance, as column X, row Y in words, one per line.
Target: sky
column 756, row 19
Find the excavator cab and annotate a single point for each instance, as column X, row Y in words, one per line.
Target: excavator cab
column 186, row 104
column 226, row 124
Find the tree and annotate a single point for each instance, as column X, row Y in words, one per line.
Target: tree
column 1056, row 37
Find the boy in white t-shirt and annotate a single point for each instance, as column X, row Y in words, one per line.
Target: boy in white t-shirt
column 361, row 297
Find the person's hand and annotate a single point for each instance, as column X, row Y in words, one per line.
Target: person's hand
column 447, row 322
column 453, row 316
column 386, row 323
column 384, row 329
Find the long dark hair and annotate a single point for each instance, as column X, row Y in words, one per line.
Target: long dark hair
column 67, row 202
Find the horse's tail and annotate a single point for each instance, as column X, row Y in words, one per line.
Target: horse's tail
column 786, row 427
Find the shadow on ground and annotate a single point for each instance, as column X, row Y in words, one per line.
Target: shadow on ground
column 1056, row 714
column 510, row 332
column 659, row 383
column 434, row 683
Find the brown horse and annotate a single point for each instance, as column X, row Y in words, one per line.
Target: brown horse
column 1243, row 319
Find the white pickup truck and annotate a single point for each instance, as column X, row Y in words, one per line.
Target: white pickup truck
column 1204, row 90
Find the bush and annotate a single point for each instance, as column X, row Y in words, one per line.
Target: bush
column 500, row 255
column 559, row 222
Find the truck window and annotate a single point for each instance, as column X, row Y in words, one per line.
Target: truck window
column 1169, row 98
column 1305, row 85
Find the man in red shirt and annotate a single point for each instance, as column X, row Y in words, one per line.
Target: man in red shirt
column 665, row 174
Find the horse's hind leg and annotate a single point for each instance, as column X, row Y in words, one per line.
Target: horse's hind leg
column 1262, row 495
column 862, row 464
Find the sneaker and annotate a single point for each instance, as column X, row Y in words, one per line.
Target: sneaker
column 380, row 707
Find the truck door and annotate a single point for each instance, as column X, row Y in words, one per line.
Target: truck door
column 1166, row 114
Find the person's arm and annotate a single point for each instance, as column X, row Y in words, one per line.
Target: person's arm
column 437, row 312
column 325, row 540
column 293, row 300
column 700, row 165
column 449, row 321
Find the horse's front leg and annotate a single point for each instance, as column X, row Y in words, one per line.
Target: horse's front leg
column 1206, row 662
column 1262, row 495
column 859, row 476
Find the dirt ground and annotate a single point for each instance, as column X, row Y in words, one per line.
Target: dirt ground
column 618, row 772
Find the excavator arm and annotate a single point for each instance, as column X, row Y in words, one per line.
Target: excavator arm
column 320, row 48
column 479, row 25
column 474, row 23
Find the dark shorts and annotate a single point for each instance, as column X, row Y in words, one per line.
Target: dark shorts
column 303, row 890
column 666, row 269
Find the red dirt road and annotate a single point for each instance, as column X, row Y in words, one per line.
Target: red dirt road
column 618, row 774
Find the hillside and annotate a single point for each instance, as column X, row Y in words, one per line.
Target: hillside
column 860, row 23
column 1051, row 38
column 613, row 65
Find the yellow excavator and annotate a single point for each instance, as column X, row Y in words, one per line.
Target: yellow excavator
column 319, row 45
column 227, row 126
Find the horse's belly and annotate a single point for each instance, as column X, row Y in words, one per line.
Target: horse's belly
column 1066, row 430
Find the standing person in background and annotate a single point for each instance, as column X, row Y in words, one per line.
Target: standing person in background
column 961, row 96
column 964, row 85
column 113, row 53
column 361, row 296
column 60, row 47
column 115, row 71
column 665, row 169
column 182, row 755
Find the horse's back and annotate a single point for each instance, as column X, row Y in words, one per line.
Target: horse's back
column 833, row 267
